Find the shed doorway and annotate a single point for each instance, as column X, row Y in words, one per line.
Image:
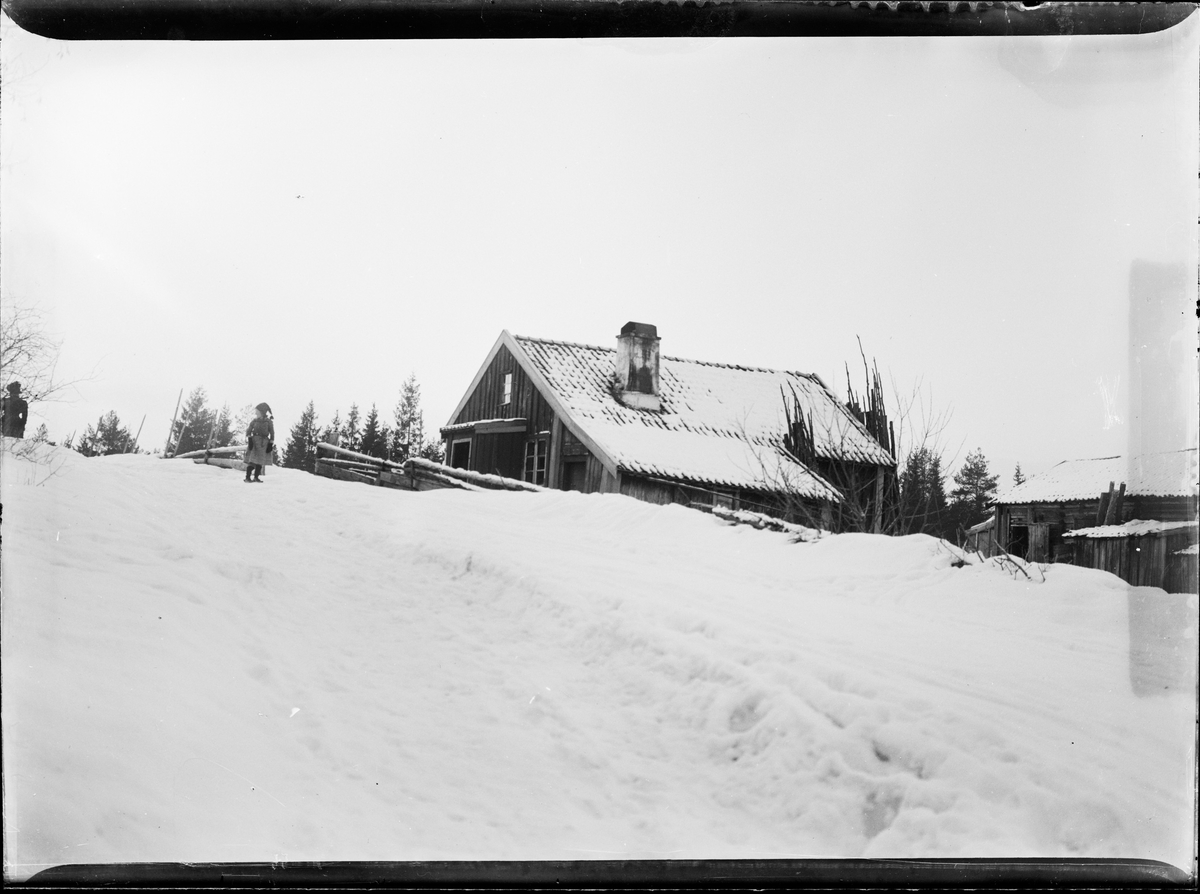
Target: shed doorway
column 1018, row 540
column 574, row 473
column 460, row 454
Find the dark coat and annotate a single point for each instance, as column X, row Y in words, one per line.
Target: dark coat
column 260, row 439
column 16, row 411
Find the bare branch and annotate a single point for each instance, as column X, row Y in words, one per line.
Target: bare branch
column 28, row 355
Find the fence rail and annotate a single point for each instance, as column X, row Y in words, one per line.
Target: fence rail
column 412, row 474
column 349, row 465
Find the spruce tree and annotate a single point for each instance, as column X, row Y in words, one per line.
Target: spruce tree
column 373, row 442
column 223, row 433
column 973, row 494
column 107, row 438
column 434, row 451
column 922, row 493
column 332, row 433
column 352, row 432
column 408, row 437
column 301, row 449
column 1018, row 475
column 192, row 427
column 397, row 445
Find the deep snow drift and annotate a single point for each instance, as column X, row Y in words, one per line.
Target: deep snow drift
column 196, row 669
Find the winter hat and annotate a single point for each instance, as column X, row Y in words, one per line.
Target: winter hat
column 265, row 407
column 14, row 386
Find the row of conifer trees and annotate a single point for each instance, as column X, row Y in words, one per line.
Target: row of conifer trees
column 926, row 507
column 198, row 426
column 397, row 440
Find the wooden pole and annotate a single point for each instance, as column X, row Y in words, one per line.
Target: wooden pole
column 133, row 449
column 877, row 522
column 212, row 428
column 1113, row 516
column 1102, row 509
column 171, row 431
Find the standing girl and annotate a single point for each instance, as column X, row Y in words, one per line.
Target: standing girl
column 260, row 442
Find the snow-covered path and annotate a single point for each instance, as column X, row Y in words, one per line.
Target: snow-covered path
column 195, row 669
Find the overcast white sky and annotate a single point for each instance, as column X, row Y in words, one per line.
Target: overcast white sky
column 296, row 221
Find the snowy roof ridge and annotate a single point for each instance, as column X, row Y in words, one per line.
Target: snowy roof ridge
column 671, row 357
column 1170, row 473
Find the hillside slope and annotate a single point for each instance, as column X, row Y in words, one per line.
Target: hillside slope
column 197, row 669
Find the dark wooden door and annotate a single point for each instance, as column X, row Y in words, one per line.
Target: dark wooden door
column 1039, row 542
column 574, row 473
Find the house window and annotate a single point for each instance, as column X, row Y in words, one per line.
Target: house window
column 507, row 389
column 535, row 461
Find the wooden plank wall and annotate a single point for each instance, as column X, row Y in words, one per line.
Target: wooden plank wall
column 501, row 454
column 1067, row 515
column 571, row 445
column 1148, row 561
column 1162, row 508
column 597, row 479
column 527, row 402
column 1075, row 514
column 656, row 492
column 1182, row 573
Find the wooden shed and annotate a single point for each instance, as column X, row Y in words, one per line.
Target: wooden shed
column 626, row 419
column 982, row 537
column 1143, row 553
column 1033, row 518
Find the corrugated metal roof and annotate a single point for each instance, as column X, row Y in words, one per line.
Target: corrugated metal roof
column 719, row 424
column 1172, row 474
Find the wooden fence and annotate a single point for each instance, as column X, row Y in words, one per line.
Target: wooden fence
column 349, row 465
column 412, row 474
column 225, row 457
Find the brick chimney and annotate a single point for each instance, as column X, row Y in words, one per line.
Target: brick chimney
column 637, row 366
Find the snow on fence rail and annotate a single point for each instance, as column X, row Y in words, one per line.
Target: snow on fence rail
column 349, row 465
column 412, row 474
column 761, row 521
column 212, row 451
column 225, row 457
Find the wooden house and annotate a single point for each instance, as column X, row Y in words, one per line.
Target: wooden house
column 1034, row 517
column 629, row 420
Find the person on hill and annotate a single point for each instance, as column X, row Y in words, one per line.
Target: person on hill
column 260, row 443
column 16, row 412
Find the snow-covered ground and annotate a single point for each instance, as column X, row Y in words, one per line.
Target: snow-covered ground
column 196, row 669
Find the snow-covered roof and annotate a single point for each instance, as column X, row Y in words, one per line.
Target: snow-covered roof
column 1171, row 474
column 718, row 424
column 1135, row 528
column 985, row 525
